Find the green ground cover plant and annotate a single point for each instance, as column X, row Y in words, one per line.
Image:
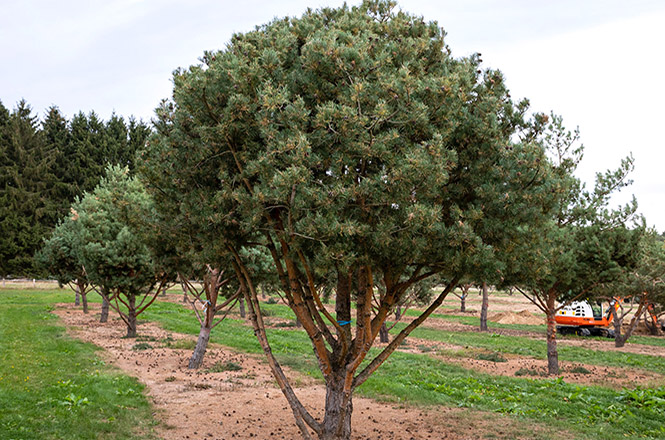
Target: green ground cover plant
column 595, row 412
column 53, row 387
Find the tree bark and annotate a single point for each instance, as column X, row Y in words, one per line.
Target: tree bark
column 105, row 310
column 384, row 337
column 619, row 338
column 184, row 290
column 337, row 420
column 81, row 289
column 84, row 300
column 201, row 346
column 241, row 305
column 483, row 309
column 552, row 354
column 77, row 300
column 131, row 316
column 462, row 307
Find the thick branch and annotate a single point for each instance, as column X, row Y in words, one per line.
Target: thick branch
column 301, row 414
column 381, row 357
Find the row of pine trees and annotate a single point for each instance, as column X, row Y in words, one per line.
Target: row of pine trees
column 44, row 165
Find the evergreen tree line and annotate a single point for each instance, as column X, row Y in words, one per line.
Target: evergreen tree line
column 44, row 165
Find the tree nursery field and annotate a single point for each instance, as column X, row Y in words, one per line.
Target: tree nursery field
column 64, row 375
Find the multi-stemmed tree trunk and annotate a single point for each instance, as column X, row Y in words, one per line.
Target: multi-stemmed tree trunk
column 384, row 331
column 82, row 288
column 84, row 300
column 106, row 298
column 341, row 354
column 483, row 308
column 463, row 295
column 619, row 314
column 129, row 300
column 208, row 296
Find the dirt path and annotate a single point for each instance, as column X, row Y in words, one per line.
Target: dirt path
column 246, row 404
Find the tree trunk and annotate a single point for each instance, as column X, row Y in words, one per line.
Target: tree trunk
column 398, row 313
column 552, row 354
column 105, row 310
column 131, row 316
column 336, row 422
column 184, row 290
column 201, row 346
column 462, row 306
column 84, row 299
column 81, row 290
column 384, row 337
column 241, row 305
column 77, row 300
column 483, row 309
column 651, row 322
column 619, row 338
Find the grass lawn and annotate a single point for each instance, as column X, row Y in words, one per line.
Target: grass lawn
column 54, row 387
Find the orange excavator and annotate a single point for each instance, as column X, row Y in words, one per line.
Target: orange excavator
column 584, row 319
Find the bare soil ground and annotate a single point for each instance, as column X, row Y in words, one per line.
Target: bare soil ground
column 497, row 303
column 247, row 404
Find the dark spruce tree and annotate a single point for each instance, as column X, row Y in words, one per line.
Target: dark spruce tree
column 44, row 166
column 27, row 203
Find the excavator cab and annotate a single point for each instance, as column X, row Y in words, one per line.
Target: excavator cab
column 585, row 319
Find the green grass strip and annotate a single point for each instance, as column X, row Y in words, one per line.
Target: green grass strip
column 537, row 348
column 54, row 387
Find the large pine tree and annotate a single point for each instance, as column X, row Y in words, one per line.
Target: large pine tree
column 356, row 150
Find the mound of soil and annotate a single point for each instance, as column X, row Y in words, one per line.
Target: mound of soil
column 521, row 317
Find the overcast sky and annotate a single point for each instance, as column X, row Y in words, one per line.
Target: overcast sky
column 597, row 63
